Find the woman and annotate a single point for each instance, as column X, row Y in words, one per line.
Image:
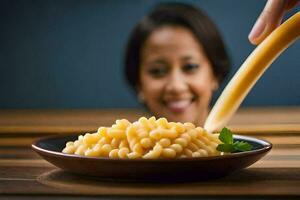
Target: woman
column 175, row 60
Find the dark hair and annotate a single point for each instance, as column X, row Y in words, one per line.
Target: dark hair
column 178, row 14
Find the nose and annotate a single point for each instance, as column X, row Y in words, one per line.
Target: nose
column 176, row 83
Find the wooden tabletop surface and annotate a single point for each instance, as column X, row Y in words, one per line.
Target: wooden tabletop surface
column 24, row 174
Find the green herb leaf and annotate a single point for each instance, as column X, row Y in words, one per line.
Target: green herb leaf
column 242, row 146
column 226, row 136
column 228, row 146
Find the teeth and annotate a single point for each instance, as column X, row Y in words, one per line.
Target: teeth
column 179, row 104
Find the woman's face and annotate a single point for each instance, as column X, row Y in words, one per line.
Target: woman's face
column 176, row 77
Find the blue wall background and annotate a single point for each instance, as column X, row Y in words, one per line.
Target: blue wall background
column 68, row 54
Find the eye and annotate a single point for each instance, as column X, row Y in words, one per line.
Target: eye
column 190, row 67
column 158, row 72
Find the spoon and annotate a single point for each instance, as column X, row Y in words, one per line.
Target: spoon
column 250, row 71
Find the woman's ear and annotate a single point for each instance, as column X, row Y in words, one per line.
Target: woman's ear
column 215, row 85
column 140, row 96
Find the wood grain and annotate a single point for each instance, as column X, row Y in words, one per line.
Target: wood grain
column 246, row 120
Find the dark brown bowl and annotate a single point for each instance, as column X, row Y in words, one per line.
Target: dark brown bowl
column 160, row 170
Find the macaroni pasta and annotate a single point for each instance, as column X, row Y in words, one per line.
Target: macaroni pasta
column 146, row 138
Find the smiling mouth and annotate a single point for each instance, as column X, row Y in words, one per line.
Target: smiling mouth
column 179, row 106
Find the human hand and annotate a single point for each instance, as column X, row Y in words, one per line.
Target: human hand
column 270, row 18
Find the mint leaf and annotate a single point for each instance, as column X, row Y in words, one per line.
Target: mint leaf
column 242, row 146
column 226, row 148
column 226, row 136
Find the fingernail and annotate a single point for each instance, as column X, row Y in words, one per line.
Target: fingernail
column 257, row 29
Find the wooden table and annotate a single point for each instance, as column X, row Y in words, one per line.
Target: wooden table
column 23, row 174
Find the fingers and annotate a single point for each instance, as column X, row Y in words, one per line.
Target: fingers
column 269, row 19
column 291, row 4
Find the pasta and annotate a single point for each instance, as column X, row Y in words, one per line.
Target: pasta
column 146, row 138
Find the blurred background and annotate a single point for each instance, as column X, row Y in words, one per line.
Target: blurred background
column 69, row 54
